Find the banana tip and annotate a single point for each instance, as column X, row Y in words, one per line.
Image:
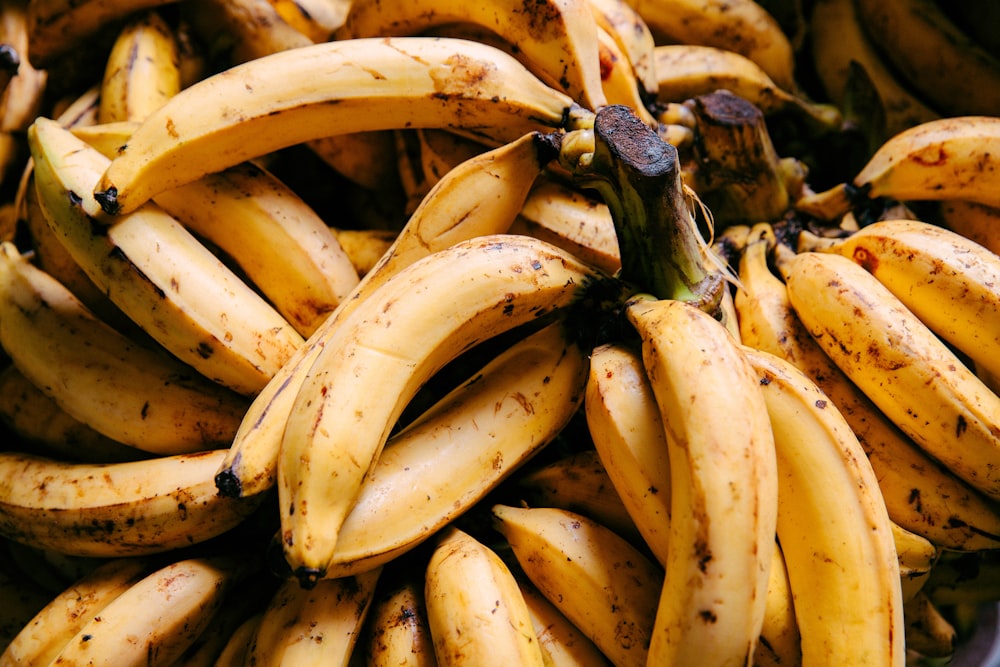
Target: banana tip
column 308, row 577
column 228, row 484
column 108, row 199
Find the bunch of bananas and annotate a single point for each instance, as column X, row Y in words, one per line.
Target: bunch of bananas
column 578, row 332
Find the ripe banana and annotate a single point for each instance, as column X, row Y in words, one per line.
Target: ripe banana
column 397, row 631
column 595, row 578
column 618, row 78
column 243, row 30
column 556, row 39
column 422, row 82
column 916, row 556
column 711, row 607
column 976, row 222
column 928, row 630
column 780, row 643
column 364, row 247
column 132, row 394
column 625, row 425
column 374, row 361
column 909, row 373
column 833, row 527
column 159, row 274
column 317, row 19
column 480, row 196
column 23, row 96
column 476, row 612
column 562, row 643
column 633, row 37
column 237, row 648
column 115, row 509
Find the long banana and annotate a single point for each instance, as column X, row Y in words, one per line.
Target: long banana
column 718, row 569
column 909, row 373
column 135, row 395
column 115, row 509
column 562, row 643
column 633, row 37
column 780, row 642
column 475, row 609
column 833, row 527
column 606, row 587
column 618, row 79
column 397, row 631
column 374, row 361
column 976, row 222
column 421, row 82
column 158, row 273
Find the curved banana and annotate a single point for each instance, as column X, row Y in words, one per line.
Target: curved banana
column 142, row 71
column 476, row 612
column 633, row 37
column 421, row 82
column 158, row 273
column 938, row 59
column 909, row 373
column 625, row 425
column 480, row 196
column 237, row 648
column 916, row 556
column 317, row 19
column 425, row 155
column 383, row 351
column 606, row 587
column 115, row 509
column 929, row 632
column 397, row 631
column 946, row 280
column 718, row 468
column 833, row 527
column 132, row 394
column 23, row 96
column 618, row 79
column 780, row 644
column 977, row 222
column 562, row 643
column 244, row 30
column 364, row 247
column 556, row 39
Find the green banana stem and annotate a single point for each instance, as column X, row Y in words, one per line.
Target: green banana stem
column 639, row 177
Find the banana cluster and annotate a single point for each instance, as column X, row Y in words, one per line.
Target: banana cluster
column 582, row 332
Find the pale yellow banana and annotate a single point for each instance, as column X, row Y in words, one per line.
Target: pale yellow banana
column 717, row 568
column 158, row 273
column 780, row 644
column 364, row 247
column 916, row 556
column 422, row 82
column 618, row 78
column 476, row 612
column 562, row 643
column 595, row 578
column 834, row 531
column 317, row 19
column 633, row 37
column 397, row 633
column 976, row 222
column 23, row 96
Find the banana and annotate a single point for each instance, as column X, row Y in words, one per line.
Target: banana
column 780, row 644
column 909, row 373
column 160, row 275
column 718, row 569
column 10, row 61
column 837, row 40
column 237, row 648
column 313, row 627
column 23, row 96
column 920, row 494
column 132, row 394
column 81, row 110
column 356, row 389
column 476, row 612
column 397, row 632
column 421, row 82
column 956, row 579
column 115, row 509
column 242, row 30
column 364, row 247
column 424, row 156
column 618, row 78
column 947, row 281
column 51, row 629
column 480, row 196
column 833, row 527
column 743, row 26
column 977, row 222
column 367, row 159
column 142, row 71
column 939, row 60
column 625, row 425
column 595, row 578
column 916, row 556
column 562, row 643
column 317, row 19
column 633, row 37
column 556, row 39
column 928, row 631
column 158, row 617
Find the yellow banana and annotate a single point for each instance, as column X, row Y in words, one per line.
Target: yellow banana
column 928, row 631
column 595, row 578
column 425, row 155
column 364, row 247
column 317, row 19
column 476, row 612
column 142, row 71
column 718, row 569
column 556, row 38
column 397, row 632
column 422, row 82
column 480, row 196
column 916, row 556
column 618, row 78
column 367, row 159
column 780, row 644
column 159, row 274
column 371, row 365
column 243, row 30
column 23, row 96
column 833, row 527
column 115, row 509
column 562, row 643
column 909, row 373
column 976, row 222
column 633, row 37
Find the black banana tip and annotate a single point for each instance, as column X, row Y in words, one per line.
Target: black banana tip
column 308, row 577
column 10, row 60
column 228, row 484
column 108, row 199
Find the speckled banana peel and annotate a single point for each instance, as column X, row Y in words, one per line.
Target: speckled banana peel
column 977, row 222
column 900, row 364
column 294, row 96
column 556, row 39
column 132, row 394
column 618, row 79
column 633, row 37
column 479, row 196
column 114, row 510
column 159, row 274
column 476, row 612
column 374, row 361
column 606, row 587
column 397, row 631
column 779, row 643
column 711, row 605
column 834, row 531
column 562, row 643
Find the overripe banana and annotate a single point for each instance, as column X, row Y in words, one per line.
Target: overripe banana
column 23, row 96
column 397, row 631
column 633, row 37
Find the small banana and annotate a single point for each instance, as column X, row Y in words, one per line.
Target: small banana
column 317, row 19
column 633, row 37
column 23, row 96
column 780, row 644
column 562, row 643
column 916, row 555
column 476, row 612
column 364, row 247
column 237, row 648
column 718, row 569
column 115, row 509
column 397, row 632
column 618, row 79
column 928, row 630
column 834, row 531
column 422, row 82
column 977, row 222
column 595, row 578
